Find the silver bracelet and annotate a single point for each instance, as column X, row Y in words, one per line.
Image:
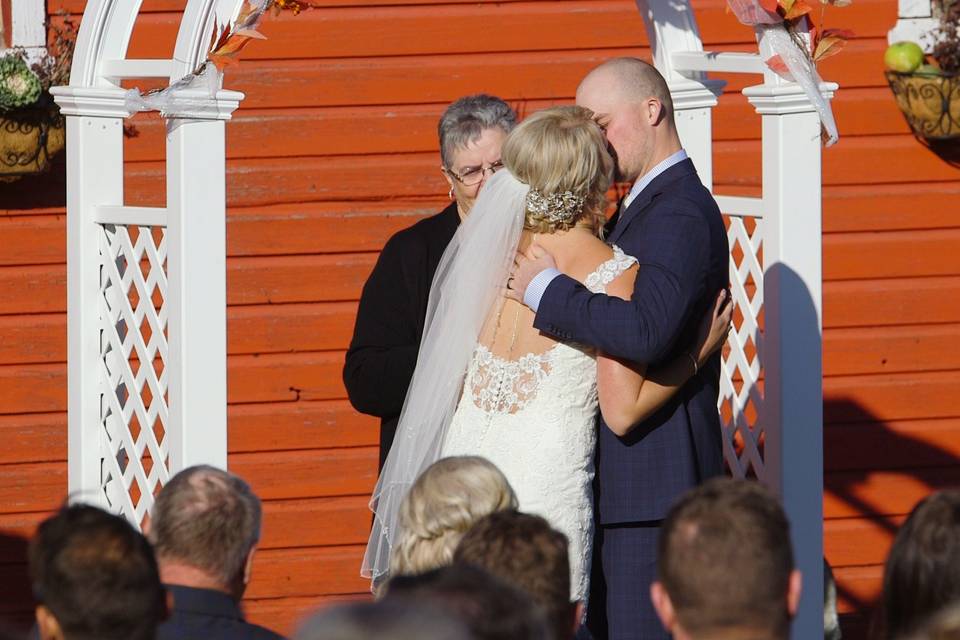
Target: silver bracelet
column 696, row 367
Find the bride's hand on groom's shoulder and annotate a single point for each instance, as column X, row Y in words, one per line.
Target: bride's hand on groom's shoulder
column 526, row 266
column 714, row 327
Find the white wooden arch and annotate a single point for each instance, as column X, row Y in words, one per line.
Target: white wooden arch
column 147, row 285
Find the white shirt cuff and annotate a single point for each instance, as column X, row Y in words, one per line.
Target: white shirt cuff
column 537, row 287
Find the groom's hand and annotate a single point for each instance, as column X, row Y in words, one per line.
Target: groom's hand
column 526, row 266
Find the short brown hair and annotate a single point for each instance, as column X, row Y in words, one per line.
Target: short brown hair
column 209, row 519
column 491, row 608
column 525, row 551
column 922, row 573
column 725, row 559
column 97, row 575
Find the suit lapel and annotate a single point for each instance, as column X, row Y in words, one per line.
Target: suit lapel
column 657, row 186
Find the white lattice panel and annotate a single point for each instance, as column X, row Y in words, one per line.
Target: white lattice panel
column 134, row 357
column 741, row 393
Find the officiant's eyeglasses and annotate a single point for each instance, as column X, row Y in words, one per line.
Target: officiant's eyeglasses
column 472, row 176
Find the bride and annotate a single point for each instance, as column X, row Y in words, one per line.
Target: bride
column 487, row 383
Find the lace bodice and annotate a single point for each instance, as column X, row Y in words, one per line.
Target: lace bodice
column 534, row 417
column 499, row 385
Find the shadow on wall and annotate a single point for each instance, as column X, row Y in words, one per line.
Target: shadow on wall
column 872, row 471
column 48, row 189
column 946, row 150
column 16, row 595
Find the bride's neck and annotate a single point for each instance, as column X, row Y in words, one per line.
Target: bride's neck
column 556, row 241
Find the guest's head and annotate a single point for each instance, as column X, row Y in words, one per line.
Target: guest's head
column 631, row 101
column 472, row 131
column 205, row 526
column 725, row 565
column 384, row 620
column 944, row 625
column 922, row 573
column 556, row 151
column 490, row 608
column 525, row 551
column 94, row 577
column 444, row 502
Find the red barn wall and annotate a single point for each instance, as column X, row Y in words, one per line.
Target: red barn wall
column 334, row 149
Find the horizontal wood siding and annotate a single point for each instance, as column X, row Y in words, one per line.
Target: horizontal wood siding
column 334, row 149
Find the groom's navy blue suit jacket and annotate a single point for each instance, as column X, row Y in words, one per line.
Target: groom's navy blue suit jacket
column 674, row 229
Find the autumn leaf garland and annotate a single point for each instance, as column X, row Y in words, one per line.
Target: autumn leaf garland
column 227, row 43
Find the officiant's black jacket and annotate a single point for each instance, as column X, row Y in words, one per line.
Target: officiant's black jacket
column 386, row 337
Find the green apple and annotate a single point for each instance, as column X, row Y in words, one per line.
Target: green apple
column 903, row 56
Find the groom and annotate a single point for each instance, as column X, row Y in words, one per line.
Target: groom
column 672, row 225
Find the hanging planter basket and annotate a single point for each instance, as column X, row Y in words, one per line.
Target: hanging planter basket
column 29, row 139
column 930, row 103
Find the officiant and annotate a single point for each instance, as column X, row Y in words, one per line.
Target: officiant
column 390, row 318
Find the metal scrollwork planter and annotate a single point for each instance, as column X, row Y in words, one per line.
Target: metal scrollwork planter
column 930, row 102
column 29, row 139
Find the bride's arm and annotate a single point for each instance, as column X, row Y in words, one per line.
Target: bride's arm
column 629, row 394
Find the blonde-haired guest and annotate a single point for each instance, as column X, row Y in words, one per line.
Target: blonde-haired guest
column 441, row 506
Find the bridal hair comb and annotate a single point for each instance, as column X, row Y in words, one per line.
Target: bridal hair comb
column 556, row 207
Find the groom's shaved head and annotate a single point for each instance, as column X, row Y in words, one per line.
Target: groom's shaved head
column 632, row 80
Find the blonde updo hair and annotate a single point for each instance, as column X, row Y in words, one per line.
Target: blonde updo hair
column 561, row 149
column 441, row 506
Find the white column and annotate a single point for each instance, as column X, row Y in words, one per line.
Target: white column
column 27, row 28
column 94, row 177
column 672, row 28
column 693, row 103
column 792, row 412
column 914, row 22
column 196, row 273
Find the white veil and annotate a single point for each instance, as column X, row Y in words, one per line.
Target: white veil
column 468, row 282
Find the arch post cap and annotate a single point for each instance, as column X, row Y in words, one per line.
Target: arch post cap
column 785, row 98
column 695, row 94
column 111, row 102
column 93, row 102
column 200, row 106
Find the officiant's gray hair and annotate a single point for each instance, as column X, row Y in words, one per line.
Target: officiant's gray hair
column 465, row 120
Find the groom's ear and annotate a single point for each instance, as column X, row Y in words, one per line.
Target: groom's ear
column 655, row 111
column 663, row 606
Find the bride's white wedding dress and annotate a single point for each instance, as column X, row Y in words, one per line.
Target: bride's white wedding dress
column 535, row 418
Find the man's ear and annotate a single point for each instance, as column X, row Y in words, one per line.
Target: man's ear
column 576, row 608
column 663, row 605
column 654, row 111
column 794, row 588
column 248, row 567
column 446, row 176
column 47, row 625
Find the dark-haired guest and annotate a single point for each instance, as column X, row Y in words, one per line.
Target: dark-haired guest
column 944, row 625
column 525, row 551
column 384, row 621
column 725, row 565
column 922, row 573
column 94, row 577
column 205, row 526
column 386, row 338
column 490, row 608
